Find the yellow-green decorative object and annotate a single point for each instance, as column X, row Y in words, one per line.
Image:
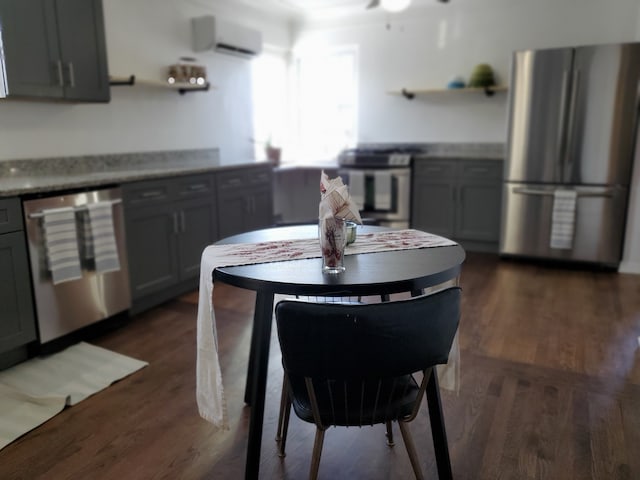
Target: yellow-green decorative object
column 482, row 76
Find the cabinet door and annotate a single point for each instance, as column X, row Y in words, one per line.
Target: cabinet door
column 151, row 247
column 198, row 228
column 30, row 42
column 83, row 50
column 479, row 201
column 478, row 216
column 433, row 207
column 17, row 320
column 260, row 209
column 232, row 210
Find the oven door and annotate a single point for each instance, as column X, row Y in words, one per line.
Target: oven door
column 383, row 195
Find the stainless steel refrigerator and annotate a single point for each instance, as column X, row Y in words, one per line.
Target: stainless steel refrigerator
column 573, row 115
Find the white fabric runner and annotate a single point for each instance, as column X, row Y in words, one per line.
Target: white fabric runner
column 209, row 390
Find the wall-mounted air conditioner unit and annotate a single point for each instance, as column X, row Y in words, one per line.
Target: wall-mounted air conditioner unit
column 209, row 33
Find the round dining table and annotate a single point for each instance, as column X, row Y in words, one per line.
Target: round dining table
column 366, row 274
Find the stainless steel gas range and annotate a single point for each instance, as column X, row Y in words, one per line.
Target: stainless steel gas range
column 379, row 180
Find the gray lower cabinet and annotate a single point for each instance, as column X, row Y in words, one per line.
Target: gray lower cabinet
column 168, row 223
column 296, row 193
column 17, row 317
column 245, row 199
column 459, row 199
column 55, row 49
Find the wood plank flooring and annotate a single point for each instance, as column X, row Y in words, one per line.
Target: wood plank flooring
column 550, row 390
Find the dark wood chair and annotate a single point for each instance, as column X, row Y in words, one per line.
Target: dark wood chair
column 366, row 364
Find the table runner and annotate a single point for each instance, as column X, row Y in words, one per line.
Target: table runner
column 209, row 390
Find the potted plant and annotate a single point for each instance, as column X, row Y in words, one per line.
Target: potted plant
column 273, row 153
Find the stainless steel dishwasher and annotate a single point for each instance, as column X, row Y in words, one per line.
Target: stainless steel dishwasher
column 66, row 307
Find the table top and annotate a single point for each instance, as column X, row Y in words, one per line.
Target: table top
column 365, row 274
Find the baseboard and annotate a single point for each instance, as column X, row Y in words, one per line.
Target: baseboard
column 629, row 267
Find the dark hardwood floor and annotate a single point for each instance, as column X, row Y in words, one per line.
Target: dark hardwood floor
column 550, row 390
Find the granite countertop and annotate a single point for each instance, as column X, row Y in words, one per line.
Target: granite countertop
column 466, row 151
column 21, row 177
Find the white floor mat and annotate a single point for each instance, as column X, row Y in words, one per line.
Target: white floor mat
column 34, row 391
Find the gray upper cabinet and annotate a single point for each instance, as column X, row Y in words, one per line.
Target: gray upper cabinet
column 54, row 49
column 459, row 199
column 17, row 318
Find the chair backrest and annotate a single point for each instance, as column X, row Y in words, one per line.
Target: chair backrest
column 348, row 342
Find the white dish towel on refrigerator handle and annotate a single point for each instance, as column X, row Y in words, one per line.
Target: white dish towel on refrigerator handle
column 563, row 219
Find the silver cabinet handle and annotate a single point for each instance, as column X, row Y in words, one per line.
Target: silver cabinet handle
column 152, row 194
column 60, row 75
column 196, row 187
column 183, row 222
column 72, row 75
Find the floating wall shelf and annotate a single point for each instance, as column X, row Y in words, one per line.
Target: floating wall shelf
column 181, row 87
column 410, row 94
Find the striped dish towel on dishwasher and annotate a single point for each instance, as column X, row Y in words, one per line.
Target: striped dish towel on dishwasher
column 98, row 238
column 61, row 244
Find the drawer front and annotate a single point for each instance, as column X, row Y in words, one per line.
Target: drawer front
column 259, row 176
column 10, row 215
column 194, row 186
column 481, row 169
column 231, row 180
column 435, row 168
column 147, row 192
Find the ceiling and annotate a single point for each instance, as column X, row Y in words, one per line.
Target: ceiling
column 323, row 8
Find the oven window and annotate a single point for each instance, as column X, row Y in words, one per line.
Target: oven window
column 370, row 195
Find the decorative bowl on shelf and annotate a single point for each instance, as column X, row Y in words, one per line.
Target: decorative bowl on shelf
column 456, row 82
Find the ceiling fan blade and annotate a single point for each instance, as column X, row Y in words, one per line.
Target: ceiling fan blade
column 373, row 4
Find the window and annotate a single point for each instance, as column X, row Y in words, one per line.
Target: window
column 269, row 79
column 325, row 109
column 308, row 109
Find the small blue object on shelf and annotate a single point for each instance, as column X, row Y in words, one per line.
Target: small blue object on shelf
column 456, row 82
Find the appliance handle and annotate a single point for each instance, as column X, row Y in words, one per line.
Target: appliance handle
column 567, row 163
column 549, row 193
column 562, row 129
column 77, row 209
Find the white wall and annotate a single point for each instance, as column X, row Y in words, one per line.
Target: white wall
column 425, row 47
column 143, row 38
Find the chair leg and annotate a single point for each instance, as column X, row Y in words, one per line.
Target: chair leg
column 390, row 434
column 317, row 451
column 285, row 428
column 283, row 418
column 283, row 401
column 438, row 431
column 411, row 449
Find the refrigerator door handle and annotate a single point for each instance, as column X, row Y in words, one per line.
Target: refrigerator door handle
column 562, row 126
column 568, row 160
column 549, row 193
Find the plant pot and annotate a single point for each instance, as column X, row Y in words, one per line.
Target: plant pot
column 273, row 155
